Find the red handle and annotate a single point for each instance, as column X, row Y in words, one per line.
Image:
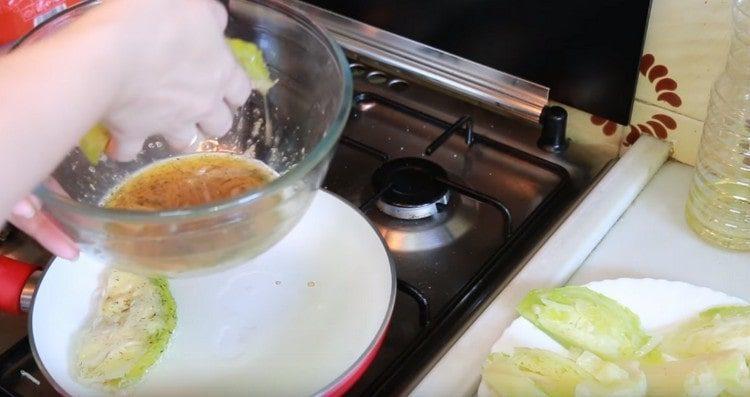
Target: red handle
column 20, row 16
column 13, row 276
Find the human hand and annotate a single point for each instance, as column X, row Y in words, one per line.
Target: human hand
column 165, row 69
column 27, row 216
column 178, row 76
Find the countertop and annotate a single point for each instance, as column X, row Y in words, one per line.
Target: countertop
column 562, row 254
column 643, row 234
column 653, row 240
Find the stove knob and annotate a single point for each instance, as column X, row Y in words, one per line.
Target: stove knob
column 554, row 120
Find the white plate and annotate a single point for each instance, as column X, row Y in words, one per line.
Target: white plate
column 287, row 323
column 660, row 304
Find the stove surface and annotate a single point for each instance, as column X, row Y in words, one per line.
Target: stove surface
column 472, row 210
column 502, row 194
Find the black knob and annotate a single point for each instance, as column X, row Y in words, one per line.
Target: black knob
column 554, row 120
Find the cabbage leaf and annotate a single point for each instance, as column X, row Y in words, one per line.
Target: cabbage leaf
column 538, row 372
column 128, row 333
column 579, row 318
column 713, row 374
column 94, row 143
column 714, row 330
column 250, row 57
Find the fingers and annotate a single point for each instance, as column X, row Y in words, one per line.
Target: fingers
column 183, row 138
column 219, row 13
column 53, row 185
column 239, row 88
column 124, row 148
column 27, row 216
column 196, row 101
column 218, row 121
column 26, row 208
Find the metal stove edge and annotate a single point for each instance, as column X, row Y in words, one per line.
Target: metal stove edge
column 491, row 87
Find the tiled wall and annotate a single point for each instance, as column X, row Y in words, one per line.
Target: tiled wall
column 685, row 50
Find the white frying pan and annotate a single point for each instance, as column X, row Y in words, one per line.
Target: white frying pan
column 305, row 318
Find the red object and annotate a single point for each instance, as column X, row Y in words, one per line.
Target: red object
column 670, row 98
column 18, row 17
column 646, row 62
column 666, row 84
column 13, row 276
column 340, row 389
column 666, row 120
column 656, row 72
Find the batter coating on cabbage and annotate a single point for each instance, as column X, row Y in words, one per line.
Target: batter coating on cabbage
column 128, row 333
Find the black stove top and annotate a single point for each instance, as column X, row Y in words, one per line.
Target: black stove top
column 460, row 194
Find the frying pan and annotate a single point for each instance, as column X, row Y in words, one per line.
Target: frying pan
column 305, row 318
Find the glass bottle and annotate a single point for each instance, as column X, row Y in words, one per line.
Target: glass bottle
column 718, row 206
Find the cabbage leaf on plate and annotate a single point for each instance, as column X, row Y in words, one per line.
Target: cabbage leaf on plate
column 580, row 318
column 714, row 330
column 538, row 372
column 714, row 374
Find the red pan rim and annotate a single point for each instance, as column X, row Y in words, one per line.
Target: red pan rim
column 351, row 378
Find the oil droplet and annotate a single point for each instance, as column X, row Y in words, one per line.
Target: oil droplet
column 311, row 283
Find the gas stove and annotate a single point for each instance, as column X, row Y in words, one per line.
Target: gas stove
column 460, row 195
column 462, row 169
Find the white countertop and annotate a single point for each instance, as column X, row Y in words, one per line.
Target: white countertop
column 653, row 240
column 559, row 257
column 631, row 225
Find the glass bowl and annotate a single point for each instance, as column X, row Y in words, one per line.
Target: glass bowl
column 294, row 130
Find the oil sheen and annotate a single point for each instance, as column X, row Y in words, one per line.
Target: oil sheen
column 188, row 181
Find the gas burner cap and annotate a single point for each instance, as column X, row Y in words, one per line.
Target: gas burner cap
column 412, row 188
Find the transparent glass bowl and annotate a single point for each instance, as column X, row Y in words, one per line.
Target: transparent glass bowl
column 307, row 108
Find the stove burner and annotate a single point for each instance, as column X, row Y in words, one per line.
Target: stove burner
column 410, row 188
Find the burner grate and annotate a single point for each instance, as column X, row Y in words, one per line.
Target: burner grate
column 462, row 125
column 455, row 127
column 420, row 298
column 443, row 294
